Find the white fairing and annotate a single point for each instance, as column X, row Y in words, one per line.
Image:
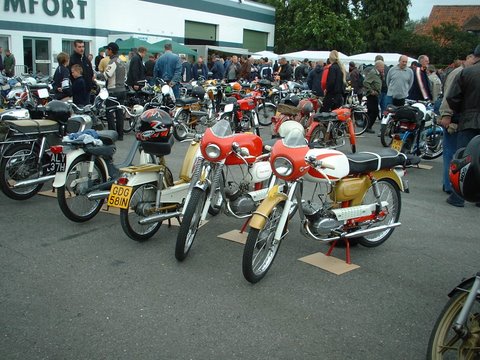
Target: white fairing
column 330, row 157
column 261, row 171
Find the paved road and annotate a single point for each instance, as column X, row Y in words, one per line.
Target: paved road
column 86, row 291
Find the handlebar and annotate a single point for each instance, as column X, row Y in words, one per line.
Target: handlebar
column 312, row 160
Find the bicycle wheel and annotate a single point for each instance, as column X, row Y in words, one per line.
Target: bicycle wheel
column 444, row 342
column 19, row 163
column 360, row 120
column 190, row 222
column 387, row 132
column 141, row 203
column 434, row 143
column 261, row 248
column 72, row 197
column 265, row 113
column 390, row 193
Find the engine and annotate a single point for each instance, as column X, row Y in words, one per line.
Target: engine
column 239, row 201
column 320, row 221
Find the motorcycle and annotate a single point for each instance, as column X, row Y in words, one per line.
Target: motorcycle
column 358, row 200
column 413, row 130
column 216, row 180
column 26, row 160
column 329, row 129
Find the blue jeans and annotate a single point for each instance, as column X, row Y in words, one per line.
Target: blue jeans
column 382, row 101
column 449, row 148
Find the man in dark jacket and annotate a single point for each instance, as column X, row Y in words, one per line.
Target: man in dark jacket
column 314, row 79
column 217, row 68
column 420, row 89
column 149, row 65
column 136, row 69
column 463, row 100
column 78, row 57
column 199, row 69
column 355, row 78
column 186, row 68
column 285, row 71
column 302, row 70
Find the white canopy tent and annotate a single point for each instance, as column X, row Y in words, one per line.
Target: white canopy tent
column 268, row 54
column 312, row 55
column 369, row 58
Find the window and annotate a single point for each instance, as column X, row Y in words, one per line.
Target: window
column 67, row 46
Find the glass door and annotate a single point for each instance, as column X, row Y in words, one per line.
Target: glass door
column 36, row 55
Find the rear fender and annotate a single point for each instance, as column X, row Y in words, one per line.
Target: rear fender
column 379, row 175
column 60, row 177
column 259, row 217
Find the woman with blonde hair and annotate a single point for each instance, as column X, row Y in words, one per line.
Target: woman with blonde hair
column 335, row 84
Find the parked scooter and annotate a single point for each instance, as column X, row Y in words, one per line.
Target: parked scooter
column 358, row 200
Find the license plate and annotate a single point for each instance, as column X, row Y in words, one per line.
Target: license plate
column 228, row 108
column 119, row 196
column 58, row 163
column 397, row 144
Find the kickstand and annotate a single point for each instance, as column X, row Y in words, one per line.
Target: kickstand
column 347, row 250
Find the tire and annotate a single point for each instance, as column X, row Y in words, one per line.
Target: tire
column 389, row 192
column 189, row 226
column 19, row 162
column 259, row 247
column 434, row 143
column 386, row 133
column 444, row 342
column 180, row 129
column 360, row 121
column 265, row 113
column 319, row 135
column 74, row 206
column 142, row 199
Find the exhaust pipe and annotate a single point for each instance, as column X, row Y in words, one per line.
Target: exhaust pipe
column 159, row 217
column 37, row 181
column 97, row 195
column 353, row 234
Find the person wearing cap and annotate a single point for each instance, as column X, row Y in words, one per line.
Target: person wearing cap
column 463, row 100
column 78, row 57
column 136, row 70
column 169, row 68
column 186, row 68
column 115, row 75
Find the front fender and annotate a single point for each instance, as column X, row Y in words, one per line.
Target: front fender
column 464, row 286
column 259, row 217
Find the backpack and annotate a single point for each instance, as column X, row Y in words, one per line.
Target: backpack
column 326, row 70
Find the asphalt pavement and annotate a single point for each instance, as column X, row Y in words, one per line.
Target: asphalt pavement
column 87, row 291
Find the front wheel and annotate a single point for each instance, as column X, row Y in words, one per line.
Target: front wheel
column 72, row 197
column 181, row 127
column 190, row 223
column 390, row 193
column 265, row 113
column 19, row 163
column 444, row 342
column 261, row 247
column 142, row 204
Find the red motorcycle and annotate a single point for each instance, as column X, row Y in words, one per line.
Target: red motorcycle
column 294, row 109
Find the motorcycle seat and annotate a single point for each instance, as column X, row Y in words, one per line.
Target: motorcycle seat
column 32, row 126
column 363, row 162
column 106, row 151
column 38, row 86
column 325, row 117
column 186, row 101
column 108, row 137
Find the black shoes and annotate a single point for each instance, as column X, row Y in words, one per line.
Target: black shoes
column 455, row 201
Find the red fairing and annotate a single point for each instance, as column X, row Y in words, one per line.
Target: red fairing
column 252, row 142
column 225, row 145
column 295, row 155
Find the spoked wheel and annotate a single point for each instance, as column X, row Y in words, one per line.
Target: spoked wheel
column 434, row 143
column 390, row 193
column 444, row 342
column 265, row 113
column 319, row 136
column 180, row 128
column 386, row 133
column 261, row 248
column 190, row 223
column 72, row 196
column 142, row 204
column 19, row 163
column 360, row 121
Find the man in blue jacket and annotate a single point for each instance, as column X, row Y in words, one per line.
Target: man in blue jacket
column 217, row 68
column 169, row 68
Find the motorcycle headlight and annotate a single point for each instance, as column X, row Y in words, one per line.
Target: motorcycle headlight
column 212, row 151
column 283, row 166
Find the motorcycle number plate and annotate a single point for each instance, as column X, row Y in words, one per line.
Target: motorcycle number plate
column 58, row 163
column 228, row 108
column 119, row 196
column 43, row 93
column 397, row 144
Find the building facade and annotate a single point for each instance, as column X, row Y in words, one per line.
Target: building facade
column 37, row 30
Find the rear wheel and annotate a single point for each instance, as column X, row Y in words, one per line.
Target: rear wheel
column 265, row 113
column 386, row 133
column 190, row 223
column 142, row 204
column 319, row 136
column 261, row 248
column 19, row 163
column 360, row 121
column 72, row 197
column 390, row 193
